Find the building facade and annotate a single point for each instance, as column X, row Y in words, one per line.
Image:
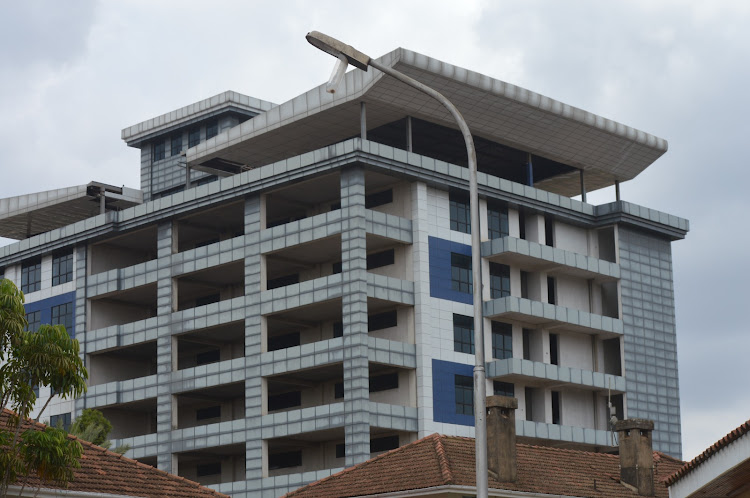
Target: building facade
column 289, row 292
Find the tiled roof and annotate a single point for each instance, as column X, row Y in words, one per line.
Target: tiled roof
column 709, row 452
column 103, row 471
column 439, row 460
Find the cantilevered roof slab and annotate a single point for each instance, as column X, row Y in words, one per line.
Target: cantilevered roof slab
column 498, row 111
column 24, row 216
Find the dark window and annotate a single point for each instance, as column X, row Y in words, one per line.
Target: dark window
column 208, row 413
column 382, row 321
column 31, row 275
column 335, row 206
column 159, row 151
column 62, row 421
column 497, row 221
column 461, row 273
column 34, row 320
column 169, row 191
column 63, row 315
column 338, row 390
column 524, row 284
column 529, row 395
column 460, row 214
column 194, row 136
column 275, row 283
column 207, row 357
column 384, row 382
column 379, row 198
column 283, row 341
column 463, row 334
column 554, row 349
column 212, row 129
column 503, row 389
column 284, row 400
column 336, row 268
column 464, row 395
column 526, row 344
column 340, row 450
column 551, row 296
column 208, row 469
column 378, row 259
column 338, row 329
column 521, row 224
column 556, row 408
column 62, row 268
column 285, row 460
column 176, row 145
column 499, row 280
column 502, row 340
column 383, row 444
column 549, row 231
column 207, row 242
column 206, row 300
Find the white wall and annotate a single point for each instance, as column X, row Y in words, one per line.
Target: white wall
column 575, row 350
column 571, row 238
column 572, row 292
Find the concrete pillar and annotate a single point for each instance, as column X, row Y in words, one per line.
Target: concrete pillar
column 354, row 317
column 409, row 143
column 583, row 188
column 501, row 437
column 363, row 120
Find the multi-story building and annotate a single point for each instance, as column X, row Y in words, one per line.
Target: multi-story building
column 289, row 292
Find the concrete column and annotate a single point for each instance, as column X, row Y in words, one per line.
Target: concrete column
column 354, row 314
column 409, row 143
column 363, row 120
column 617, row 190
column 583, row 188
column 79, row 320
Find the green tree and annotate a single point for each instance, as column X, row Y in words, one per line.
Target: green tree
column 93, row 426
column 46, row 357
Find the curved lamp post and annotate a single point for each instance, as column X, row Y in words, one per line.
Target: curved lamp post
column 347, row 54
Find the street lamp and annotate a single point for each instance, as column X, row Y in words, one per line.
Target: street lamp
column 349, row 55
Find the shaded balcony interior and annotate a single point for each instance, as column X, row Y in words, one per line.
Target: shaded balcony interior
column 382, row 439
column 303, row 199
column 126, row 250
column 310, row 451
column 305, row 388
column 303, row 262
column 129, row 362
column 211, row 285
column 131, row 419
column 211, row 405
column 209, row 345
column 447, row 144
column 209, row 226
column 390, row 320
column 215, row 465
column 120, row 307
column 596, row 353
column 389, row 257
column 387, row 194
column 392, row 385
column 303, row 325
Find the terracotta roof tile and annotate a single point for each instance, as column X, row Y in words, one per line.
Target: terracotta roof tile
column 709, row 452
column 438, row 460
column 104, row 471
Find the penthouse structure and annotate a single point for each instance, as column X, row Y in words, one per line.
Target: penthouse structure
column 289, row 292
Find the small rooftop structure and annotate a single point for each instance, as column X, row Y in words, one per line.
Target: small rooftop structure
column 105, row 473
column 24, row 216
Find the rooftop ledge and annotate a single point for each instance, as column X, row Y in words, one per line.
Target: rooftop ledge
column 538, row 374
column 550, row 316
column 333, row 157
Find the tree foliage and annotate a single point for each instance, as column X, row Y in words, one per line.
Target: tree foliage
column 46, row 357
column 93, row 426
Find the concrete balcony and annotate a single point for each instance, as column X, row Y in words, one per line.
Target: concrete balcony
column 537, row 374
column 535, row 257
column 548, row 316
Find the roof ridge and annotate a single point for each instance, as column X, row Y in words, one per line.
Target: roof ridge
column 443, row 462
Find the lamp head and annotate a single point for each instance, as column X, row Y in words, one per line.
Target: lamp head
column 337, row 49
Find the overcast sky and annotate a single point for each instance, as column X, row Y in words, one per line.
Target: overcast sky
column 74, row 74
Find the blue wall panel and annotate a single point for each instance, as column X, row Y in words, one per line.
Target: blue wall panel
column 440, row 269
column 45, row 306
column 444, row 391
